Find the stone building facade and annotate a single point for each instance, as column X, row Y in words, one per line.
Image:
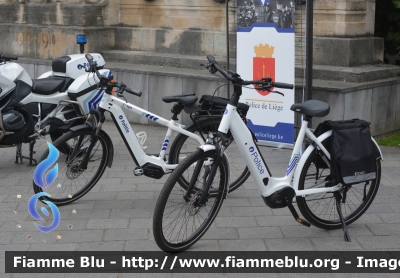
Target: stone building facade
column 46, row 28
column 348, row 69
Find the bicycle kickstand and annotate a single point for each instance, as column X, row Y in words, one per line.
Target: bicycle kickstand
column 339, row 210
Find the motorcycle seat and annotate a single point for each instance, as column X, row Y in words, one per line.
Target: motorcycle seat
column 185, row 99
column 51, row 85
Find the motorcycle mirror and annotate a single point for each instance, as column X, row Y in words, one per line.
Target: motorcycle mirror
column 89, row 58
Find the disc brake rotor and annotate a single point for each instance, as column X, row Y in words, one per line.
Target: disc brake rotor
column 73, row 171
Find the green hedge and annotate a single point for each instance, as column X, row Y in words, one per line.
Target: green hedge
column 387, row 25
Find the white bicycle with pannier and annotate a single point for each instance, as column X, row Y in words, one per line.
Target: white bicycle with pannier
column 183, row 214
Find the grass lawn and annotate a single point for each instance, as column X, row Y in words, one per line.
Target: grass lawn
column 392, row 140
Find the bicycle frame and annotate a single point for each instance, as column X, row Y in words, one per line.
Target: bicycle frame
column 255, row 161
column 114, row 105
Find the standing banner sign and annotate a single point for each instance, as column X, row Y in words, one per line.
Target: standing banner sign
column 265, row 48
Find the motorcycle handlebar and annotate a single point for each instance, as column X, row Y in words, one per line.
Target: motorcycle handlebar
column 7, row 58
column 93, row 65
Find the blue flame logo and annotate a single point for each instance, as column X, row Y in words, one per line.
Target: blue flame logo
column 32, row 210
column 44, row 165
column 45, row 180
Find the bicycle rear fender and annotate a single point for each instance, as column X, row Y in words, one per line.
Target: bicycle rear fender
column 379, row 149
column 110, row 144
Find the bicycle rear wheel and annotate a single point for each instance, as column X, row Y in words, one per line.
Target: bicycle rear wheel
column 184, row 145
column 320, row 209
column 72, row 183
column 179, row 223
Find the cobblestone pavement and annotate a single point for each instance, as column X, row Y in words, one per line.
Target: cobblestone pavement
column 117, row 214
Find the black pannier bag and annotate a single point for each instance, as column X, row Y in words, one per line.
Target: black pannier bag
column 218, row 104
column 353, row 153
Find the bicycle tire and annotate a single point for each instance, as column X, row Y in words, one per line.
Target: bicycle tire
column 172, row 193
column 61, row 190
column 354, row 207
column 202, row 128
column 54, row 136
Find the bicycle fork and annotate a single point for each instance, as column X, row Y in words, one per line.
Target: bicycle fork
column 209, row 173
column 94, row 136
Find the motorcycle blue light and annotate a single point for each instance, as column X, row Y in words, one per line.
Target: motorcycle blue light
column 81, row 39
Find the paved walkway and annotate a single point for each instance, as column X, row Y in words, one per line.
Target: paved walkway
column 117, row 214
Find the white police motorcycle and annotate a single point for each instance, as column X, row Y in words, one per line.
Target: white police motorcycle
column 51, row 104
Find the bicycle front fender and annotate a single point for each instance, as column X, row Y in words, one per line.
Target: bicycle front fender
column 111, row 148
column 82, row 127
column 206, row 148
column 109, row 141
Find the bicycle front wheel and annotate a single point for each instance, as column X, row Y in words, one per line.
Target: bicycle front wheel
column 178, row 223
column 184, row 145
column 72, row 183
column 320, row 209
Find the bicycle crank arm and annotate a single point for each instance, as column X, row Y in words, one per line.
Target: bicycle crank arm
column 288, row 202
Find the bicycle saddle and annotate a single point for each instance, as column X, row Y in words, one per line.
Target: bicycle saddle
column 313, row 108
column 185, row 99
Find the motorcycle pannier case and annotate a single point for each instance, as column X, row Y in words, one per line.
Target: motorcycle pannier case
column 13, row 120
column 353, row 153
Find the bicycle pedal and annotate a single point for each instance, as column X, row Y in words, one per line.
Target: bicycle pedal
column 288, row 202
column 138, row 171
column 304, row 222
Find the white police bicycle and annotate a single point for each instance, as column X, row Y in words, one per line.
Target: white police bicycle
column 183, row 215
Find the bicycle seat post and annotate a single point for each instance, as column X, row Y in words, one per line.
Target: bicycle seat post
column 176, row 110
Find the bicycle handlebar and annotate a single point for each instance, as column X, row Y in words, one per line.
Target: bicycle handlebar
column 123, row 87
column 104, row 81
column 7, row 58
column 282, row 85
column 214, row 64
column 234, row 77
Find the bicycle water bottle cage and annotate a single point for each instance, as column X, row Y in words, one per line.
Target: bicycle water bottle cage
column 142, row 136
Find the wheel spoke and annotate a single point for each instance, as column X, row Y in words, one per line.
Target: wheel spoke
column 179, row 222
column 320, row 209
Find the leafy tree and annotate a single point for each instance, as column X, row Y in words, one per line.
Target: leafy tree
column 387, row 24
